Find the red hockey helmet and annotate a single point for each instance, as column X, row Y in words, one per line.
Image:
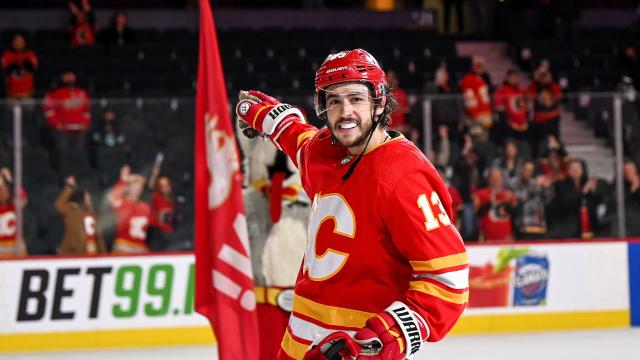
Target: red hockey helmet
column 347, row 66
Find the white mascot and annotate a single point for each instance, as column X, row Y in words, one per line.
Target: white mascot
column 277, row 211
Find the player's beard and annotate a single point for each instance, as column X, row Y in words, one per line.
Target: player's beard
column 360, row 140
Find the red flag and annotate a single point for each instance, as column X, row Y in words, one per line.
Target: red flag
column 224, row 279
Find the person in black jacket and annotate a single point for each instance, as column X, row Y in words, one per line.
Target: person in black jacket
column 572, row 212
column 118, row 33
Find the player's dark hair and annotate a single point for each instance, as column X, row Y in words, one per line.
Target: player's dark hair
column 389, row 107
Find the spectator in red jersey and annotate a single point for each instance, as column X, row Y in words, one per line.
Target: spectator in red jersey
column 10, row 245
column 572, row 212
column 81, row 229
column 400, row 118
column 83, row 24
column 510, row 102
column 163, row 209
column 19, row 64
column 494, row 205
column 546, row 95
column 132, row 214
column 477, row 100
column 67, row 114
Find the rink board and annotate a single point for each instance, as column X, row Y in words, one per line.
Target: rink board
column 146, row 301
column 587, row 286
column 634, row 281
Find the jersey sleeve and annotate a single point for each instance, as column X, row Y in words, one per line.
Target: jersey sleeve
column 418, row 216
column 293, row 136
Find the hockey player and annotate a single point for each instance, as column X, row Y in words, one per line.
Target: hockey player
column 384, row 270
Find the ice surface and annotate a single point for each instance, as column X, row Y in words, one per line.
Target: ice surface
column 582, row 345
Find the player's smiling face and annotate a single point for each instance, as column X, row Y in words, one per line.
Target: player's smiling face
column 349, row 109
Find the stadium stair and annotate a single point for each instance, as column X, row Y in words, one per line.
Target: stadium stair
column 495, row 54
column 581, row 143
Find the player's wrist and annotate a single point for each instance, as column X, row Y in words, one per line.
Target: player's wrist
column 279, row 115
column 414, row 328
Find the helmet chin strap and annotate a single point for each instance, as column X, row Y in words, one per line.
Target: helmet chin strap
column 374, row 126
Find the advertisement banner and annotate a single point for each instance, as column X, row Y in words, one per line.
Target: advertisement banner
column 74, row 303
column 548, row 278
column 97, row 294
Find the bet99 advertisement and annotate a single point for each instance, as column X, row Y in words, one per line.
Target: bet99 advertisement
column 97, row 293
column 548, row 277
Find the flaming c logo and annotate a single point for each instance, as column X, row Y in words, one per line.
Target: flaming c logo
column 222, row 161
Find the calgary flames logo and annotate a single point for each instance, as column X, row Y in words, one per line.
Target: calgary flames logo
column 222, row 161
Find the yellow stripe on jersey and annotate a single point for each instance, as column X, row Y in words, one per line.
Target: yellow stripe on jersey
column 293, row 348
column 440, row 293
column 441, row 262
column 304, row 136
column 330, row 315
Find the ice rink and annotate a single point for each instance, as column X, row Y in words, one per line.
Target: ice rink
column 583, row 345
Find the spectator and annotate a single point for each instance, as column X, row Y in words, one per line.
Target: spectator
column 132, row 214
column 67, row 113
column 629, row 62
column 546, row 95
column 631, row 198
column 81, row 230
column 630, row 118
column 445, row 107
column 447, row 151
column 532, row 195
column 510, row 161
column 19, row 64
column 83, row 24
column 494, row 206
column 477, row 101
column 163, row 210
column 108, row 148
column 456, row 200
column 553, row 160
column 118, row 33
column 573, row 208
column 510, row 102
column 10, row 244
column 468, row 178
column 400, row 118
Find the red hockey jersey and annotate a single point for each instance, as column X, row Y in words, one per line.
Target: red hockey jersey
column 381, row 236
column 19, row 84
column 132, row 221
column 477, row 101
column 67, row 108
column 512, row 100
column 162, row 212
column 495, row 224
column 8, row 230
